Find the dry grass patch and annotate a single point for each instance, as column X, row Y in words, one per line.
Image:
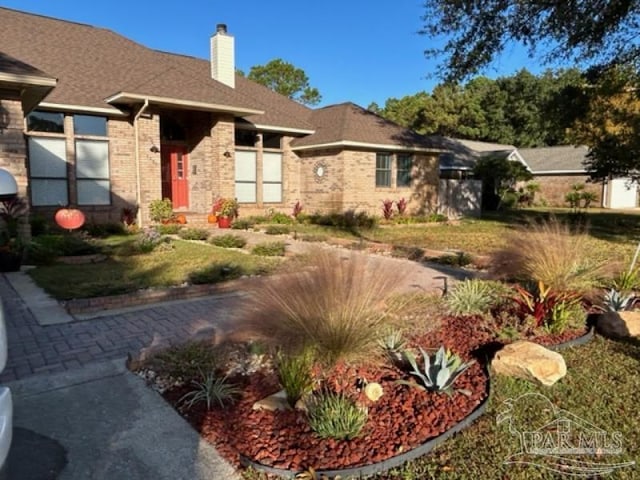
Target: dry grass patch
column 549, row 251
column 337, row 306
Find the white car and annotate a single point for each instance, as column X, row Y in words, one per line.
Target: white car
column 6, row 402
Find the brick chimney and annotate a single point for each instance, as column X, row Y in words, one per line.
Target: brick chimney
column 222, row 56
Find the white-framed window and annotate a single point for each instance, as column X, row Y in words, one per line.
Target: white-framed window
column 272, row 177
column 404, row 164
column 245, row 173
column 92, row 172
column 48, row 171
column 49, row 166
column 383, row 169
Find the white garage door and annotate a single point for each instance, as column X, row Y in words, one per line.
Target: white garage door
column 624, row 193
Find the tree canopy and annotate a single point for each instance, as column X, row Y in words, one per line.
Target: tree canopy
column 287, row 80
column 596, row 32
column 523, row 109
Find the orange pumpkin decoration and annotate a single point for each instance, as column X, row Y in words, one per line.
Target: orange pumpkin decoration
column 69, row 218
column 181, row 219
column 212, row 218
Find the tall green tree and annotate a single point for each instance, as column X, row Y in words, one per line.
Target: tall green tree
column 601, row 32
column 286, row 79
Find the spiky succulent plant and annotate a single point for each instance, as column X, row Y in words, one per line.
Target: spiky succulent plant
column 438, row 375
column 615, row 301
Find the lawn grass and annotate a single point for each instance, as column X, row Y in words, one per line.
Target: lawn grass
column 601, row 388
column 124, row 273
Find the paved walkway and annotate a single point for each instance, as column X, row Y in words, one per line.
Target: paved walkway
column 54, row 348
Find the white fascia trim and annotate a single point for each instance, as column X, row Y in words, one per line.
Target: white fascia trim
column 558, row 172
column 456, row 168
column 515, row 156
column 28, row 80
column 183, row 103
column 81, row 108
column 377, row 146
column 271, row 128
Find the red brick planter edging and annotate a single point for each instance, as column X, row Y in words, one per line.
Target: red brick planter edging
column 144, row 297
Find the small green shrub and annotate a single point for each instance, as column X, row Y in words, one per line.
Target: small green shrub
column 313, row 238
column 410, row 253
column 186, row 361
column 101, row 230
column 258, row 219
column 277, row 230
column 334, row 415
column 626, row 281
column 228, row 240
column 215, row 273
column 193, row 233
column 39, row 225
column 168, row 229
column 161, row 210
column 242, row 224
column 281, row 218
column 269, row 249
column 475, row 297
column 38, row 254
column 349, row 220
column 148, row 240
column 209, row 390
column 413, row 219
column 294, row 374
column 460, row 259
column 67, row 244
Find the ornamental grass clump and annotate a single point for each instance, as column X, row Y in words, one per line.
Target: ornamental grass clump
column 551, row 252
column 295, row 374
column 475, row 297
column 334, row 415
column 338, row 307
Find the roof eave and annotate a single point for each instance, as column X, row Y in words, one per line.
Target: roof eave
column 549, row 172
column 134, row 98
column 64, row 107
column 378, row 146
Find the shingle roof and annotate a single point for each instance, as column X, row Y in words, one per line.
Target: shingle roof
column 464, row 154
column 93, row 63
column 350, row 123
column 11, row 65
column 555, row 159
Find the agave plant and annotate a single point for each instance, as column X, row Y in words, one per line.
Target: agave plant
column 439, row 375
column 614, row 301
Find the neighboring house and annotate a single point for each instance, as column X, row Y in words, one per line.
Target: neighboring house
column 557, row 169
column 113, row 124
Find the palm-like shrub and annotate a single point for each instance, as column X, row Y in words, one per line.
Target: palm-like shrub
column 336, row 307
column 550, row 252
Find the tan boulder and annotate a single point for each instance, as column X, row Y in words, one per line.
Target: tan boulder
column 619, row 324
column 277, row 401
column 530, row 361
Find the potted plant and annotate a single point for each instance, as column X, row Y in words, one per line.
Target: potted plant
column 217, row 206
column 228, row 210
column 161, row 211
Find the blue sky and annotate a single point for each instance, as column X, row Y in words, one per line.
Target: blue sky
column 351, row 50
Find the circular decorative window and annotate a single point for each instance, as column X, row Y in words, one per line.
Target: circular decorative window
column 320, row 171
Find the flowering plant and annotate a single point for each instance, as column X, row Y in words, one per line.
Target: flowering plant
column 225, row 207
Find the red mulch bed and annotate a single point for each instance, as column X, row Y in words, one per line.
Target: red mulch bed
column 401, row 420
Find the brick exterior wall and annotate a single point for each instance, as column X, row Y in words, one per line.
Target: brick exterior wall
column 553, row 188
column 350, row 182
column 13, row 149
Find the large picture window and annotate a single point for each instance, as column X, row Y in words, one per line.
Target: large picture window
column 383, row 170
column 50, row 163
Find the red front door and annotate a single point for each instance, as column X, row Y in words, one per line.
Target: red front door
column 175, row 184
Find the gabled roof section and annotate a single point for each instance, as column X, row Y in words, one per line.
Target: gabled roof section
column 32, row 83
column 349, row 125
column 94, row 65
column 464, row 154
column 560, row 159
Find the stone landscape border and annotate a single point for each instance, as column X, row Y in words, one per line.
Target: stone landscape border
column 388, row 464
